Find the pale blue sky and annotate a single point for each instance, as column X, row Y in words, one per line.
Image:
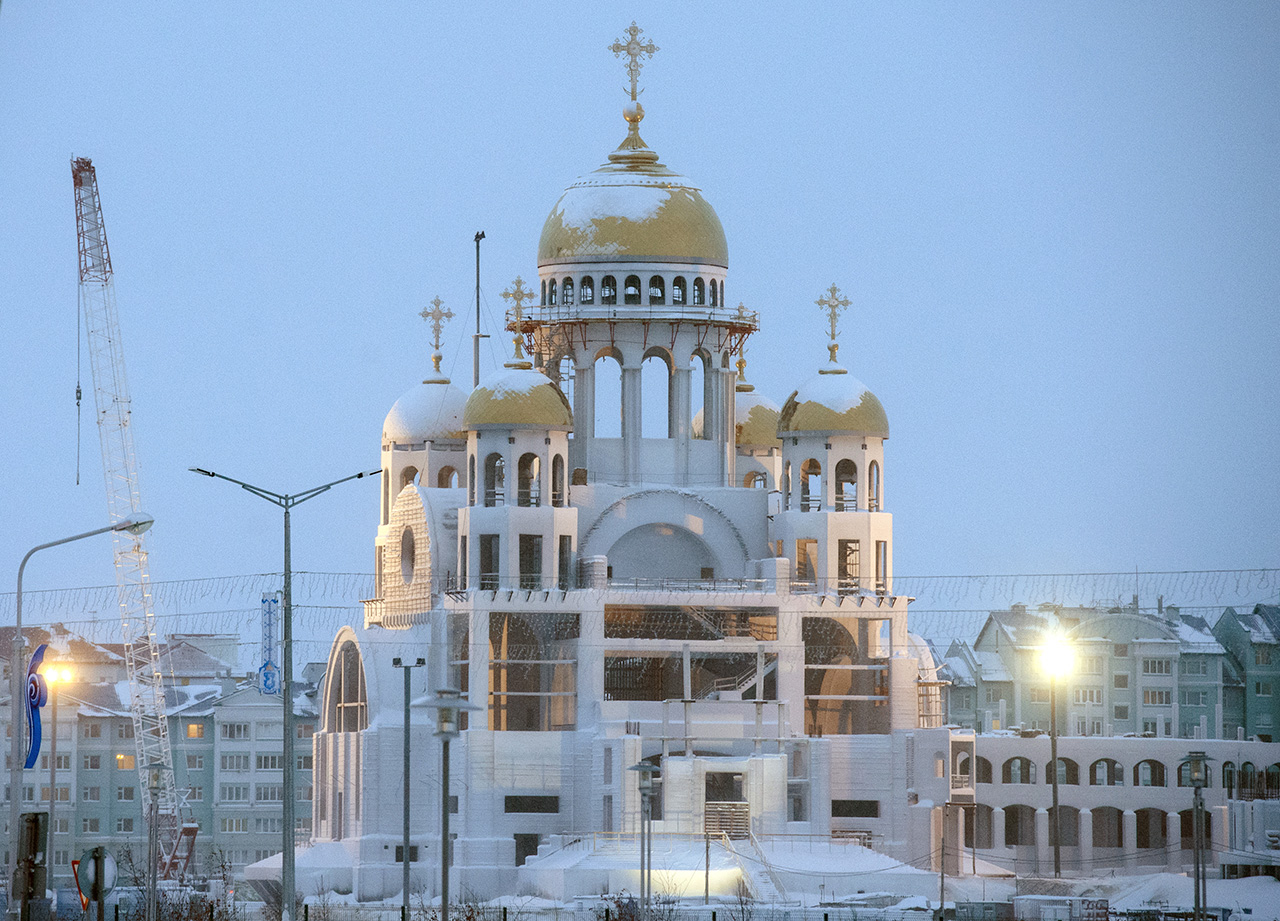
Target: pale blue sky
column 1059, row 224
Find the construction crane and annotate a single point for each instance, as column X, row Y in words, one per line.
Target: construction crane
column 133, row 581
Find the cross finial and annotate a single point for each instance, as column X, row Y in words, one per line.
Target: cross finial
column 635, row 50
column 834, row 305
column 436, row 315
column 517, row 294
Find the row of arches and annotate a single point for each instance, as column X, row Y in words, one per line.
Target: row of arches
column 565, row 292
column 665, row 404
column 1151, row 827
column 845, row 486
column 1106, row 772
column 528, row 481
column 446, row 477
column 1250, row 782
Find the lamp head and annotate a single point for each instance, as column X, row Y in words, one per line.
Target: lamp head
column 1057, row 657
column 135, row 524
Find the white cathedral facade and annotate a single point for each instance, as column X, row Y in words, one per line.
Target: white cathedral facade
column 717, row 603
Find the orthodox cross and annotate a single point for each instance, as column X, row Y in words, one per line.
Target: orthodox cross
column 634, row 50
column 436, row 316
column 834, row 305
column 517, row 294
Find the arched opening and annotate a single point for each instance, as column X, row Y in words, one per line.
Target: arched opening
column 1229, row 778
column 715, row 300
column 529, row 481
column 1068, row 772
column 657, row 290
column 631, row 290
column 699, row 375
column 699, row 292
column 1018, row 770
column 984, row 770
column 786, row 485
column 655, row 395
column 1183, row 775
column 1152, row 828
column 608, row 291
column 407, row 555
column 586, row 290
column 543, row 302
column 1069, row 824
column 678, row 290
column 563, row 373
column 447, row 478
column 1148, row 773
column 846, row 486
column 566, row 292
column 1248, row 780
column 407, row 476
column 1019, row 826
column 552, row 290
column 1273, row 781
column 557, row 481
column 873, row 486
column 810, row 486
column 1186, row 821
column 755, row 480
column 347, row 704
column 471, row 479
column 494, row 480
column 661, row 551
column 608, row 396
column 979, row 821
column 1106, row 773
column 845, row 687
column 533, row 680
column 1108, row 827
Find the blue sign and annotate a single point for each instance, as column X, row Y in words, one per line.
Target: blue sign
column 269, row 671
column 37, row 697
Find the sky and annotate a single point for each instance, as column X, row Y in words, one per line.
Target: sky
column 1058, row 225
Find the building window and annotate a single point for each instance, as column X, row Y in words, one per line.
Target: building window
column 1194, row 666
column 535, row 804
column 195, row 730
column 678, row 290
column 92, row 762
column 882, row 566
column 608, row 290
column 1120, row 682
column 1262, row 655
column 1198, row 698
column 270, row 762
column 566, row 292
column 124, row 794
column 1157, row 697
column 234, row 731
column 1088, row 695
column 124, row 826
column 1121, row 650
column 1040, row 695
column 657, row 290
column 1121, row 711
column 234, row 826
column 126, row 762
column 90, row 826
column 235, row 793
column 303, row 762
column 195, row 794
column 489, row 562
column 235, row 763
column 855, row 809
column 269, row 793
column 124, row 730
column 413, row 853
column 994, row 696
column 699, row 292
column 304, row 730
column 631, row 290
column 91, row 731
column 268, row 825
column 849, row 571
column 195, row 762
column 1262, row 688
column 1157, row 666
column 1091, row 665
column 271, row 731
column 806, row 559
column 587, row 291
column 91, row 794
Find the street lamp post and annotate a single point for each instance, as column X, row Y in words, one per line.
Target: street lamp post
column 1056, row 660
column 449, row 705
column 1197, row 764
column 645, row 784
column 133, row 524
column 53, row 677
column 286, row 502
column 408, row 668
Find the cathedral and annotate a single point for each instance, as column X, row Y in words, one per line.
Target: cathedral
column 704, row 615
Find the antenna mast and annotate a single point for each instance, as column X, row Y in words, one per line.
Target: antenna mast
column 475, row 352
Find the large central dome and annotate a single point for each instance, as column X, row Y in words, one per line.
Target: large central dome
column 633, row 209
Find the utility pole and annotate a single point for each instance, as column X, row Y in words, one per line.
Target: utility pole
column 475, row 352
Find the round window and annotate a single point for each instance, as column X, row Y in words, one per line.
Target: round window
column 406, row 555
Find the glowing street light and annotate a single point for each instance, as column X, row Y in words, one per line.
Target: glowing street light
column 1057, row 660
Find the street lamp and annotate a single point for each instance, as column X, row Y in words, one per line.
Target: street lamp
column 645, row 784
column 54, row 676
column 408, row 668
column 1056, row 659
column 286, row 502
column 449, row 706
column 1198, row 768
column 134, row 524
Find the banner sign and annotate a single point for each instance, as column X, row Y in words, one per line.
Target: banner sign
column 37, row 697
column 269, row 671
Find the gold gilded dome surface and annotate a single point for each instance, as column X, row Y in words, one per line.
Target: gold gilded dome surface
column 522, row 397
column 836, row 403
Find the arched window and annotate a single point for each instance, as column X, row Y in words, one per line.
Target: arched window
column 1019, row 825
column 657, row 290
column 408, row 555
column 810, row 486
column 407, row 476
column 529, row 488
column 677, row 290
column 1272, row 780
column 587, row 291
column 1229, row 778
column 447, row 478
column 471, row 480
column 715, row 301
column 984, row 770
column 1152, row 828
column 1068, row 818
column 566, row 292
column 551, row 293
column 1108, row 827
column 557, row 481
column 608, row 290
column 699, row 293
column 786, row 485
column 494, row 480
column 347, row 706
column 631, row 290
column 755, row 480
column 608, row 396
column 1106, row 773
column 1068, row 772
column 1018, row 770
column 544, row 292
column 1148, row 773
column 873, row 486
column 846, row 486
column 1184, row 775
column 1247, row 780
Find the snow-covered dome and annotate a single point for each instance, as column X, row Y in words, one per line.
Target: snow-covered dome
column 429, row 411
column 518, row 398
column 756, row 424
column 633, row 207
column 834, row 401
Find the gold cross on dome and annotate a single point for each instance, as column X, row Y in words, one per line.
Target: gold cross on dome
column 834, row 305
column 634, row 50
column 517, row 294
column 436, row 316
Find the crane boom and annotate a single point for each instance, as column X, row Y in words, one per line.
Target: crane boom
column 120, row 467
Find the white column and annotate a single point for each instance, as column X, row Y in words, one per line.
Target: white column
column 584, row 419
column 997, row 828
column 1086, row 840
column 1044, row 851
column 631, row 432
column 679, row 423
column 1129, row 824
column 1173, row 840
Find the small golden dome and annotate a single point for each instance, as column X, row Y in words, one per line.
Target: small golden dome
column 520, row 398
column 431, row 411
column 834, row 402
column 757, row 420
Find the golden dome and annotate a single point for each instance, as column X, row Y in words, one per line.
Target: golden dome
column 757, row 420
column 520, row 398
column 635, row 208
column 428, row 412
column 835, row 402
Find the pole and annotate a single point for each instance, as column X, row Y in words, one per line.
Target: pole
column 99, row 881
column 475, row 356
column 942, row 868
column 1053, row 766
column 405, row 848
column 706, row 876
column 53, row 772
column 153, row 846
column 287, row 884
column 444, row 829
